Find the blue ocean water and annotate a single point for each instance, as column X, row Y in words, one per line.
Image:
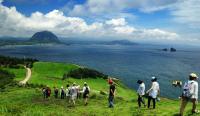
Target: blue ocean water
column 129, row 63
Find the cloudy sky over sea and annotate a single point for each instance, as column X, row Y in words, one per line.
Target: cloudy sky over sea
column 172, row 21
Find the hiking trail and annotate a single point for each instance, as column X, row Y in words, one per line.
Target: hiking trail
column 28, row 76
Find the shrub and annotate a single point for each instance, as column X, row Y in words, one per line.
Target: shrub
column 102, row 92
column 82, row 73
column 5, row 78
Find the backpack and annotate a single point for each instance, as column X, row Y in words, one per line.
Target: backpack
column 72, row 91
column 187, row 89
column 86, row 91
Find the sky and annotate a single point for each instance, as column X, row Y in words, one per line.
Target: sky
column 154, row 21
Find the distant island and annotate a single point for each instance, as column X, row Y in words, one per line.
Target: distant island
column 44, row 37
column 171, row 49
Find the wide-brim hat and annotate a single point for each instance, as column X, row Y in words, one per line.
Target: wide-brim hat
column 193, row 75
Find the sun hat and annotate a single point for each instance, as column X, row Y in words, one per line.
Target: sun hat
column 194, row 75
column 153, row 78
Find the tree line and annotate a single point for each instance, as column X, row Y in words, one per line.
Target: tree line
column 13, row 62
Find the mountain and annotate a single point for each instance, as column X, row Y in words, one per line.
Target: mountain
column 44, row 37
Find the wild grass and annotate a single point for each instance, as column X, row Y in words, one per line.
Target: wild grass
column 27, row 101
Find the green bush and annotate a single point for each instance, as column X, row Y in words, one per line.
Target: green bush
column 82, row 73
column 5, row 78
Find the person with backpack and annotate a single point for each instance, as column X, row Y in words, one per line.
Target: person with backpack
column 86, row 91
column 153, row 92
column 190, row 93
column 68, row 92
column 141, row 93
column 44, row 92
column 55, row 92
column 62, row 93
column 111, row 94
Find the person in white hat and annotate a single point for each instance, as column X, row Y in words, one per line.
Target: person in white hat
column 190, row 93
column 153, row 92
column 74, row 91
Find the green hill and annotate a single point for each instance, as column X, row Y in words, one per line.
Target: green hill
column 44, row 37
column 26, row 101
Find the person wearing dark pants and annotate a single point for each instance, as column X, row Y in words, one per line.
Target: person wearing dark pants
column 62, row 92
column 141, row 92
column 111, row 95
column 153, row 92
column 44, row 92
column 111, row 99
column 141, row 100
column 149, row 102
column 55, row 92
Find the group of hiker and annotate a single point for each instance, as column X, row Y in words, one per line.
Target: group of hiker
column 189, row 93
column 153, row 92
column 71, row 93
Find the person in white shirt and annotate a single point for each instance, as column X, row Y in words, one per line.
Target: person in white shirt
column 68, row 93
column 86, row 91
column 141, row 93
column 153, row 92
column 190, row 92
column 74, row 92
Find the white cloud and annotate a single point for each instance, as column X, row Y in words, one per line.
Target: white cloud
column 95, row 7
column 14, row 23
column 187, row 12
column 116, row 22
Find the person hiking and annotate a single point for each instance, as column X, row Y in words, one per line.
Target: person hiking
column 68, row 92
column 153, row 92
column 78, row 92
column 86, row 92
column 141, row 93
column 44, row 92
column 55, row 92
column 62, row 93
column 109, row 81
column 190, row 93
column 73, row 92
column 111, row 94
column 48, row 91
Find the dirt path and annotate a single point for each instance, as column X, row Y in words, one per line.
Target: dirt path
column 28, row 76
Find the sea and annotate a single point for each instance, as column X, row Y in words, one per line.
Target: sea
column 129, row 63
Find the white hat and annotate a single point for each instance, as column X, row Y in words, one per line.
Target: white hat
column 85, row 83
column 194, row 75
column 61, row 87
column 153, row 77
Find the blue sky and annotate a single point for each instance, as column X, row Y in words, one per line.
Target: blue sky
column 139, row 20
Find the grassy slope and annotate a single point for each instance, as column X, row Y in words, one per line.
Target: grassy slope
column 19, row 73
column 29, row 101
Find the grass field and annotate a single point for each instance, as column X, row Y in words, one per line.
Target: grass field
column 27, row 101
